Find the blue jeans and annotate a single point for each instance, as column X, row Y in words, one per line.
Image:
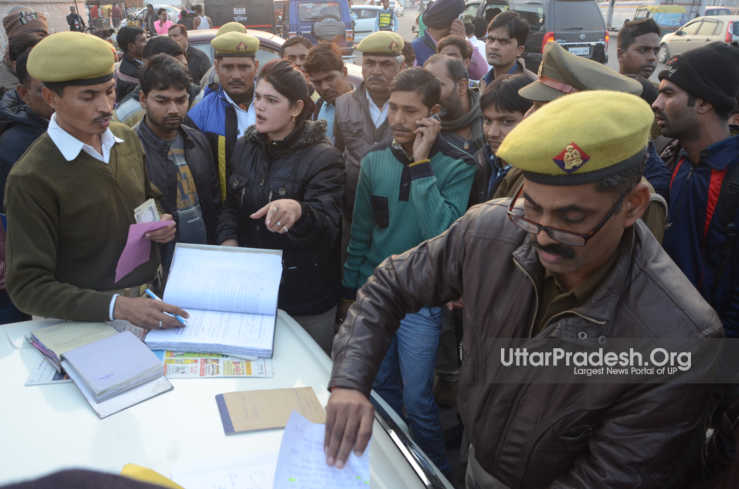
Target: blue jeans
column 406, row 376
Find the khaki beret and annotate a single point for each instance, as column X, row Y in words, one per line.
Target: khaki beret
column 382, row 43
column 562, row 72
column 235, row 44
column 71, row 57
column 581, row 138
column 231, row 27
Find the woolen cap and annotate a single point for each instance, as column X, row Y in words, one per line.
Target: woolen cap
column 710, row 72
column 581, row 138
column 562, row 72
column 71, row 57
column 441, row 13
column 22, row 20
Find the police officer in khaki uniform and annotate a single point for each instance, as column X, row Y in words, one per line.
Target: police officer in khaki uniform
column 562, row 73
column 567, row 262
column 70, row 199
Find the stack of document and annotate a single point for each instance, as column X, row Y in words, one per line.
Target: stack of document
column 57, row 340
column 231, row 296
column 115, row 373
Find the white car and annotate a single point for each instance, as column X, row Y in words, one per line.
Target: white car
column 699, row 32
column 365, row 20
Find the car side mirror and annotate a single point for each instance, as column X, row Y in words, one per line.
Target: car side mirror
column 680, row 33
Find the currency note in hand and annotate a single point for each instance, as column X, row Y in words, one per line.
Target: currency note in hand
column 146, row 212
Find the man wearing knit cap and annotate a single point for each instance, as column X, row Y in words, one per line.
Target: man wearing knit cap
column 361, row 116
column 70, row 199
column 224, row 114
column 24, row 28
column 566, row 262
column 697, row 93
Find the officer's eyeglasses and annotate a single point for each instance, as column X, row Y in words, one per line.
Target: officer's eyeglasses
column 570, row 238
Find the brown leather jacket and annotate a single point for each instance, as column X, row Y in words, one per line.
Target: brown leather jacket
column 533, row 434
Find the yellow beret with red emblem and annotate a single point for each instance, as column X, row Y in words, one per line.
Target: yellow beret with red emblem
column 235, row 44
column 383, row 43
column 72, row 58
column 580, row 138
column 231, row 27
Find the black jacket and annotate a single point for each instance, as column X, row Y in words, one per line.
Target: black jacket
column 304, row 167
column 19, row 127
column 163, row 175
column 130, row 69
column 197, row 63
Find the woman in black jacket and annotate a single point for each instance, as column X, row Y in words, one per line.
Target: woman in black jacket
column 285, row 191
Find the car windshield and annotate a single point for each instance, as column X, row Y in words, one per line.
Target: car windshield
column 669, row 19
column 577, row 15
column 310, row 11
column 532, row 12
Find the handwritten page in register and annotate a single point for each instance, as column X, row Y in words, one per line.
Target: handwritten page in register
column 224, row 278
column 301, row 463
column 219, row 328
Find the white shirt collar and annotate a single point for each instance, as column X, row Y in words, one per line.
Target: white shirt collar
column 236, row 106
column 70, row 146
column 377, row 115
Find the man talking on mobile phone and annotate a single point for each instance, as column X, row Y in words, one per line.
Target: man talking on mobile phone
column 409, row 190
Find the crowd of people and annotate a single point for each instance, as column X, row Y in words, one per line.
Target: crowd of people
column 451, row 198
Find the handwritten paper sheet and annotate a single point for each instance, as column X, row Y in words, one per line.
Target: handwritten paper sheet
column 137, row 249
column 302, row 461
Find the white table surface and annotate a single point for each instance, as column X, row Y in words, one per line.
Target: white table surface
column 51, row 427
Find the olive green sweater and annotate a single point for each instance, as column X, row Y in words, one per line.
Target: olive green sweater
column 67, row 226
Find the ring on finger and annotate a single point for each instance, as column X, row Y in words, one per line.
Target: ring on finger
column 160, row 324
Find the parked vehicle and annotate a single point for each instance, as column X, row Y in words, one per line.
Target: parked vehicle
column 365, row 20
column 269, row 49
column 576, row 25
column 699, row 32
column 397, row 7
column 720, row 10
column 318, row 20
column 173, row 14
column 668, row 17
column 490, row 8
column 252, row 13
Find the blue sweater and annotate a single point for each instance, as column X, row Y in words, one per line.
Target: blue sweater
column 694, row 241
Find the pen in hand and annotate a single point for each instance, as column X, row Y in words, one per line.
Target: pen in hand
column 179, row 318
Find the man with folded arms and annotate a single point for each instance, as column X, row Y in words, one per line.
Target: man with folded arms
column 70, row 199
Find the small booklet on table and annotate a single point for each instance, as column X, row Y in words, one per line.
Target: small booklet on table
column 115, row 373
column 57, row 340
column 231, row 296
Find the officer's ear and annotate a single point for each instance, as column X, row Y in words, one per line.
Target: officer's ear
column 50, row 97
column 636, row 203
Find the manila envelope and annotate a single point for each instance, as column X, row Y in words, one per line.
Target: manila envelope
column 267, row 409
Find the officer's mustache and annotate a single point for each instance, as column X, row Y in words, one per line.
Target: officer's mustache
column 556, row 249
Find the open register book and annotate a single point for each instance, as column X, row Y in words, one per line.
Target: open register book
column 231, row 296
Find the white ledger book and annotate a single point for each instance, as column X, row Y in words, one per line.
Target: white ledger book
column 231, row 296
